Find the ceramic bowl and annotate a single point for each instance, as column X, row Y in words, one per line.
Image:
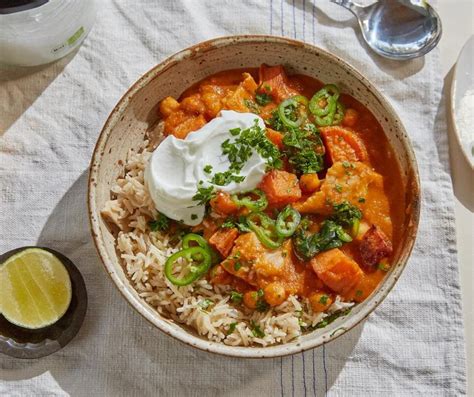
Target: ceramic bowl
column 463, row 81
column 137, row 111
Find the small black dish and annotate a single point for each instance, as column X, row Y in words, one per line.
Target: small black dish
column 27, row 343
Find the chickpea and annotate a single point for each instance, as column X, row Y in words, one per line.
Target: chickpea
column 320, row 301
column 309, row 183
column 350, row 118
column 251, row 299
column 168, row 106
column 275, row 294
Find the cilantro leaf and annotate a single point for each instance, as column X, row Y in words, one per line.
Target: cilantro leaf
column 161, row 223
column 346, row 214
column 263, row 98
column 256, row 330
column 236, row 297
column 204, row 194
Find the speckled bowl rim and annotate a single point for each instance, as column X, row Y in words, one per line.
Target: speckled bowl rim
column 181, row 333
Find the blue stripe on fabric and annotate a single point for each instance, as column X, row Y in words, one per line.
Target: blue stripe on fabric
column 271, row 17
column 281, row 375
column 325, row 370
column 281, row 18
column 304, row 374
column 294, row 20
column 292, row 376
column 304, row 19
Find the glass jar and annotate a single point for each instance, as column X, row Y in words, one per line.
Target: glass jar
column 35, row 32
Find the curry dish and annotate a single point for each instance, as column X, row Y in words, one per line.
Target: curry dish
column 315, row 236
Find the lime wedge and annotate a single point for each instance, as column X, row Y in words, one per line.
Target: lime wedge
column 35, row 289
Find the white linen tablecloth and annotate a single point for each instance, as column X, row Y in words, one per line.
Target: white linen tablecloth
column 50, row 118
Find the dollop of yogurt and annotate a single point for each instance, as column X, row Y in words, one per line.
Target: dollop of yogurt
column 177, row 166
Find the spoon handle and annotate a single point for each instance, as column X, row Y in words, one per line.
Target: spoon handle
column 350, row 5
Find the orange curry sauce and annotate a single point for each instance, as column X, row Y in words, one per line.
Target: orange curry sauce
column 359, row 139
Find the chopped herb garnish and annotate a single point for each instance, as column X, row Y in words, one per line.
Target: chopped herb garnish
column 204, row 194
column 161, row 223
column 346, row 214
column 261, row 305
column 331, row 318
column 229, row 223
column 208, row 169
column 384, row 267
column 324, row 299
column 194, row 217
column 304, row 149
column 238, row 152
column 252, row 138
column 358, row 292
column 236, row 297
column 252, row 106
column 263, row 99
column 204, row 304
column 256, row 330
column 231, row 328
column 361, row 200
column 225, row 178
column 237, row 266
column 338, row 187
column 330, row 236
column 275, row 122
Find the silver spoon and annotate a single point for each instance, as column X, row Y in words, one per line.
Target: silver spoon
column 397, row 29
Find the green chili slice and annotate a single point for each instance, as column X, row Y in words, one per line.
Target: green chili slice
column 199, row 262
column 247, row 200
column 292, row 111
column 325, row 106
column 287, row 222
column 193, row 237
column 201, row 242
column 321, row 104
column 265, row 230
column 339, row 114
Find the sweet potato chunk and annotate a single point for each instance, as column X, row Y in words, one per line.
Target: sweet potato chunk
column 375, row 246
column 237, row 100
column 223, row 240
column 280, row 187
column 275, row 137
column 223, row 204
column 343, row 145
column 336, row 270
column 274, row 81
column 182, row 129
column 241, row 260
